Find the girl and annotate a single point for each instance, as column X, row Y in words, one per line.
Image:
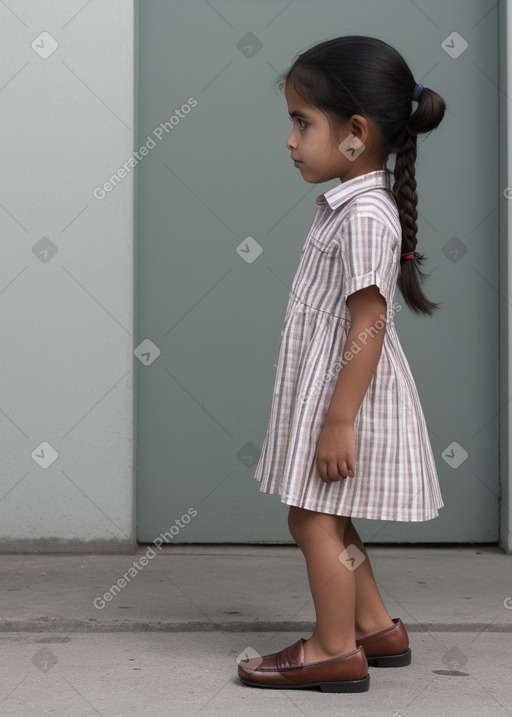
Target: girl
column 347, row 436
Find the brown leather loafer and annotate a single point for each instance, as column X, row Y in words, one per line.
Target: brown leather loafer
column 387, row 648
column 286, row 670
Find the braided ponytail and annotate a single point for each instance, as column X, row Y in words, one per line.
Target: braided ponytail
column 404, row 190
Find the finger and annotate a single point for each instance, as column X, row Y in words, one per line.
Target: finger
column 325, row 471
column 321, row 470
column 343, row 470
column 333, row 472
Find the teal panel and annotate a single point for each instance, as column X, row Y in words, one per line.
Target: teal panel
column 217, row 173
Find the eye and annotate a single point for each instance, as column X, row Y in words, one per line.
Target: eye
column 302, row 124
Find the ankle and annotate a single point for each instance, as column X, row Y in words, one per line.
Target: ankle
column 315, row 649
column 371, row 626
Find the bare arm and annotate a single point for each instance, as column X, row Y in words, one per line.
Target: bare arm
column 367, row 307
column 336, row 448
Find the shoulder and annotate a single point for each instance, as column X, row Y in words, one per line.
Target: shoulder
column 379, row 210
column 369, row 224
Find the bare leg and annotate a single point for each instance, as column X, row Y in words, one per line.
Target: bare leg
column 371, row 614
column 332, row 584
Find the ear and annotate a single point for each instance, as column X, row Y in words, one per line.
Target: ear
column 358, row 125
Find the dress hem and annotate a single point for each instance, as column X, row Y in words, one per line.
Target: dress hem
column 350, row 513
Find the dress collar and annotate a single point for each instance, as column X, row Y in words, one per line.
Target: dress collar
column 347, row 190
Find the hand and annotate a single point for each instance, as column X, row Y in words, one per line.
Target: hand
column 336, row 451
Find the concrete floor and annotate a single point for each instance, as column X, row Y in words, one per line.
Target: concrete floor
column 167, row 642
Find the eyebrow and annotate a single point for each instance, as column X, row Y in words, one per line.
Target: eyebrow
column 298, row 113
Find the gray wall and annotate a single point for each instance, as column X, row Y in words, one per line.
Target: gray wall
column 66, row 277
column 505, row 207
column 222, row 174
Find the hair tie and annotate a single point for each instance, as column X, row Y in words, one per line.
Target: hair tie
column 410, row 255
column 417, row 91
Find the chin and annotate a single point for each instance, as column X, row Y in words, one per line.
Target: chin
column 313, row 178
column 309, row 177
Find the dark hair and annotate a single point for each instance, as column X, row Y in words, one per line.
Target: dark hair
column 362, row 75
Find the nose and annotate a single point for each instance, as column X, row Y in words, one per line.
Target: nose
column 290, row 142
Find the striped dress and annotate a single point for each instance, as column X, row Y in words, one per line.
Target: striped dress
column 354, row 242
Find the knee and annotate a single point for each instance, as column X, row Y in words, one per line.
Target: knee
column 303, row 525
column 307, row 527
column 296, row 524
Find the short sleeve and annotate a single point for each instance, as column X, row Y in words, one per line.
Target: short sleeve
column 368, row 254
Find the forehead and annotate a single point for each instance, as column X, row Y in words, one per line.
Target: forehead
column 296, row 103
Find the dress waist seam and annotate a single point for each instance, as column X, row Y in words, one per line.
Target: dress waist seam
column 329, row 313
column 315, row 308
